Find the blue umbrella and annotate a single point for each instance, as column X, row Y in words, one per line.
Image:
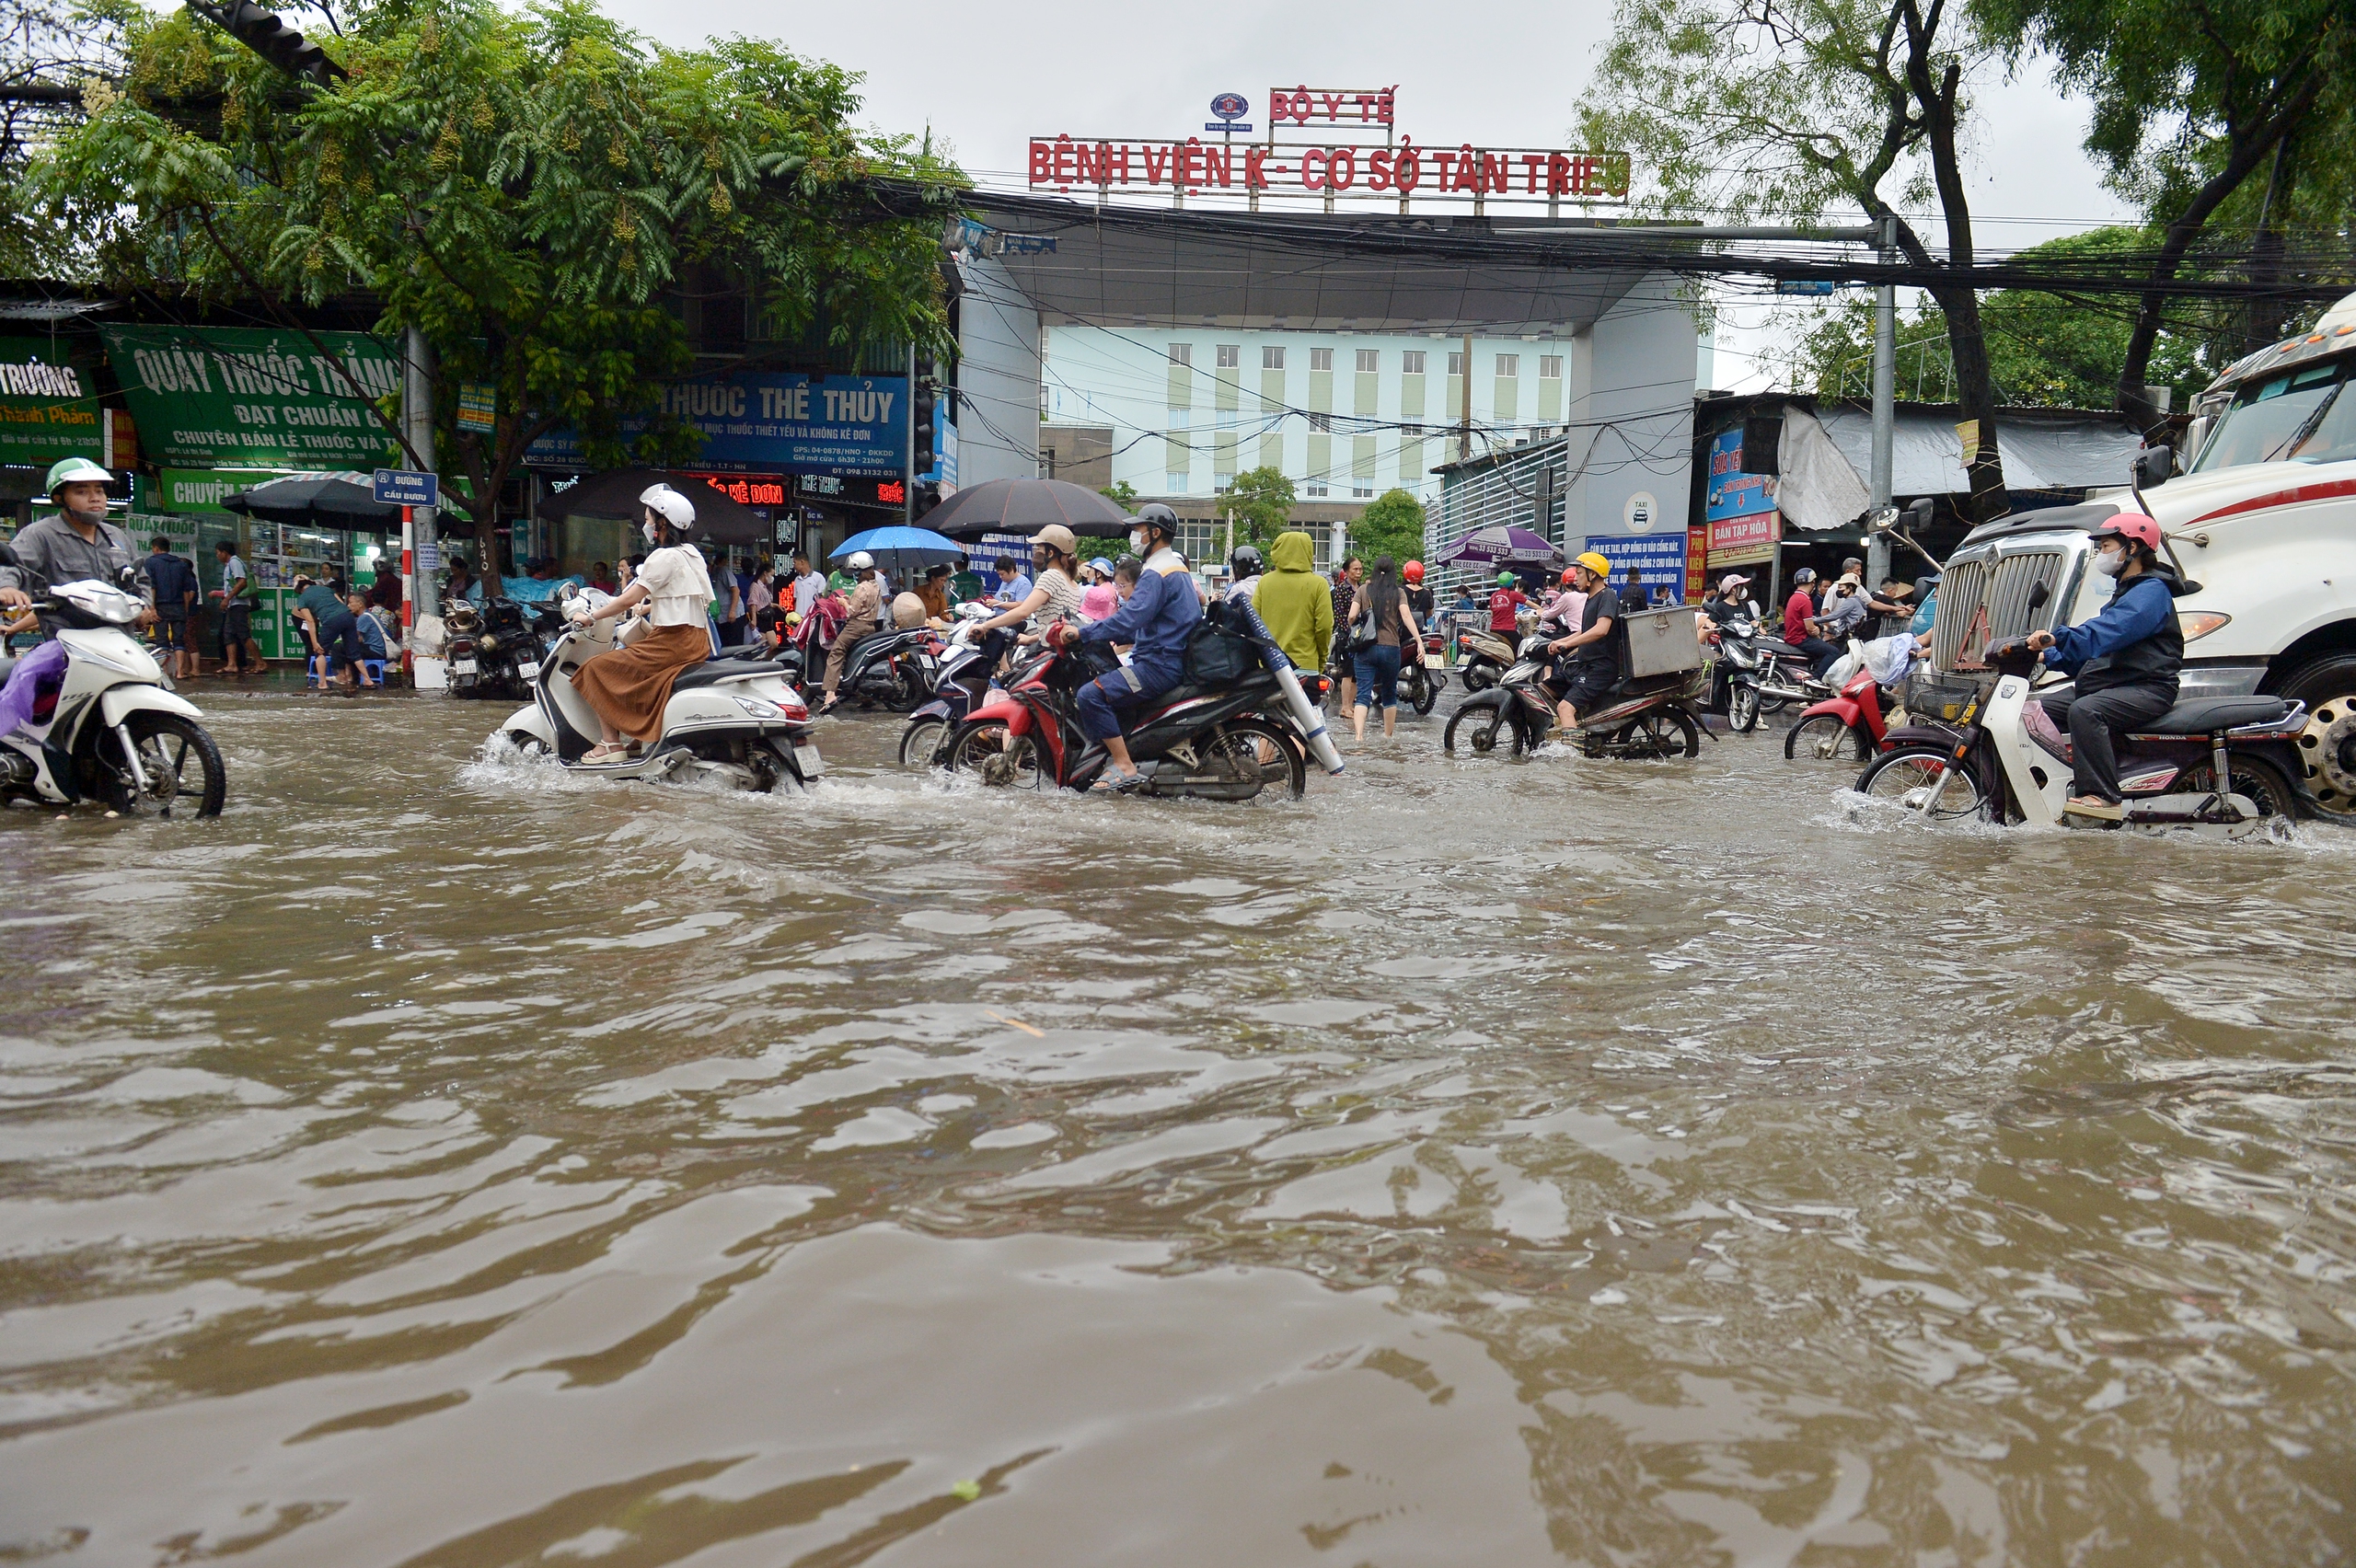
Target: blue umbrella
column 902, row 552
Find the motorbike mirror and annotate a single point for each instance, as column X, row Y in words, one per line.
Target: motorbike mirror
column 2153, row 465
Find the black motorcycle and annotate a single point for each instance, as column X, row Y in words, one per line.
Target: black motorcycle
column 1419, row 685
column 895, row 670
column 1734, row 675
column 1648, row 717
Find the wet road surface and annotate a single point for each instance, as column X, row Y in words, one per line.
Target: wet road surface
column 443, row 1161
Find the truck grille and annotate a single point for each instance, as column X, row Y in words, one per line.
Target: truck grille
column 1991, row 601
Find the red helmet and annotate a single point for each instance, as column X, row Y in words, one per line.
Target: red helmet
column 1412, row 571
column 2133, row 526
column 1566, row 577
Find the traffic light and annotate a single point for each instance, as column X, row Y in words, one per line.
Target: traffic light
column 921, row 404
column 267, row 35
column 928, row 496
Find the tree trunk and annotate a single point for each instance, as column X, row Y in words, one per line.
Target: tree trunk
column 1967, row 345
column 2247, row 150
column 2262, row 320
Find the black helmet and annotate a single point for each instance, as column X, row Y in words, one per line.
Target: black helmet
column 1153, row 515
column 1245, row 562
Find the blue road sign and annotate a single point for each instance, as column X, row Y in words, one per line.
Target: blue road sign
column 406, row 487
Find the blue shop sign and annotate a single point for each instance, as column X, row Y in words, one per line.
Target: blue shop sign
column 1730, row 493
column 771, row 422
column 1659, row 557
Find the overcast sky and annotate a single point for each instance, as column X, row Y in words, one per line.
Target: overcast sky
column 1504, row 75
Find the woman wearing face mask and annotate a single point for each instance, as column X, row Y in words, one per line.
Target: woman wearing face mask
column 2124, row 661
column 1055, row 591
column 629, row 686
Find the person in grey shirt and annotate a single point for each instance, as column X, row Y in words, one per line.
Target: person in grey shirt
column 75, row 544
column 1843, row 614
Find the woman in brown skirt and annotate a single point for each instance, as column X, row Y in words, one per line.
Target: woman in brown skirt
column 629, row 686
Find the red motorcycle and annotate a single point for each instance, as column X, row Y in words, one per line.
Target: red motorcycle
column 1848, row 727
column 1223, row 742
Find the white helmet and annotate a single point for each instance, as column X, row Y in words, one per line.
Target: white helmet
column 669, row 504
column 860, row 560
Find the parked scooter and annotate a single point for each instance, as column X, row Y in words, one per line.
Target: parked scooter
column 1419, row 684
column 110, row 728
column 1651, row 717
column 1484, row 656
column 732, row 720
column 2218, row 767
column 890, row 669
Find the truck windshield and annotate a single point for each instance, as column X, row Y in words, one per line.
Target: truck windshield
column 2300, row 416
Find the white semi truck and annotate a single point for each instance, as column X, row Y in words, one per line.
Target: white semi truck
column 2263, row 518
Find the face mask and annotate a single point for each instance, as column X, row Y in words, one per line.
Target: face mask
column 2111, row 563
column 1136, row 543
column 653, row 541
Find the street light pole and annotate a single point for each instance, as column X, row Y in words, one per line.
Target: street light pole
column 908, row 472
column 419, row 557
column 1885, row 407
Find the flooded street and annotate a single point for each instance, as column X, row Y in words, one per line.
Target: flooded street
column 442, row 1162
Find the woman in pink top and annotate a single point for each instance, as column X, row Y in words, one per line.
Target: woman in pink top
column 1099, row 602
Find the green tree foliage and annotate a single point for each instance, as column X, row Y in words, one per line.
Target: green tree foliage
column 1798, row 111
column 523, row 187
column 2236, row 112
column 1261, row 500
column 2043, row 351
column 49, row 52
column 1392, row 525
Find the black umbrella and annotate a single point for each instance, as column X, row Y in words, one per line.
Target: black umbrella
column 1023, row 507
column 318, row 500
column 615, row 494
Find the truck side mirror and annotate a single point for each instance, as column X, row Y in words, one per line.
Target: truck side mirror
column 1920, row 512
column 2153, row 465
column 2037, row 594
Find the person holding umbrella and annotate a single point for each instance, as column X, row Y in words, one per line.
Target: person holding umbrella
column 1053, row 592
column 629, row 687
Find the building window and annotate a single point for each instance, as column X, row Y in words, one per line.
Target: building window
column 1222, row 483
column 1361, row 492
column 1174, row 484
column 1550, row 367
column 1230, row 356
column 1320, row 358
column 1412, row 432
column 1182, row 353
column 1199, row 540
column 1313, row 487
column 1321, row 423
column 1272, row 358
column 1369, row 361
column 1509, row 366
column 1412, row 362
column 1455, row 363
column 1227, row 418
column 1181, row 418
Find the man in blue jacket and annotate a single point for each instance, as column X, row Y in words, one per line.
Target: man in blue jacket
column 1157, row 621
column 2125, row 660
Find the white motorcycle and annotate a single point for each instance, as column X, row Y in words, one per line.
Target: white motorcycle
column 734, row 721
column 114, row 731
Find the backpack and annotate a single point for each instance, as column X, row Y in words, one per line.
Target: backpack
column 1220, row 651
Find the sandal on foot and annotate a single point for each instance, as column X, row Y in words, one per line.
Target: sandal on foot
column 2092, row 807
column 1118, row 784
column 604, row 755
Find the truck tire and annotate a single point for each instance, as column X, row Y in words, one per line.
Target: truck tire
column 2328, row 686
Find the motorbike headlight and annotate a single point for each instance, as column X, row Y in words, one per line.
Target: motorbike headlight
column 759, row 708
column 1747, row 658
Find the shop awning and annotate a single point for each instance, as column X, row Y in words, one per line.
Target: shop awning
column 255, row 398
column 1823, row 457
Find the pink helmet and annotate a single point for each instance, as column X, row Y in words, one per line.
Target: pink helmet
column 2134, row 527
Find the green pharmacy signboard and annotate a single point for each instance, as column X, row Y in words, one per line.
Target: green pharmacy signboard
column 49, row 405
column 244, row 396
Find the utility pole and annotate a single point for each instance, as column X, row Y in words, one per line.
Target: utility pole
column 419, row 556
column 1464, row 426
column 908, row 473
column 1885, row 408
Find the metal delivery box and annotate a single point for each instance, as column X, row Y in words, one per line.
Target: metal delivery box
column 1663, row 642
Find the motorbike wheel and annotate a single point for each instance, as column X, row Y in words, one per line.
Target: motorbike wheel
column 987, row 752
column 1424, row 692
column 1742, row 709
column 1823, row 739
column 1662, row 733
column 1258, row 745
column 528, row 744
column 166, row 745
column 2266, row 785
column 1907, row 776
column 909, row 693
column 920, row 743
column 1481, row 734
column 1479, row 677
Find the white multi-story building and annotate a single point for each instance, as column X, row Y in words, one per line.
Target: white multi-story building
column 1344, row 416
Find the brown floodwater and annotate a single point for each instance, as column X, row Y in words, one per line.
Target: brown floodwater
column 440, row 1161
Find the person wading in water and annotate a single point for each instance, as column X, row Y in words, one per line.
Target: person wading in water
column 629, row 686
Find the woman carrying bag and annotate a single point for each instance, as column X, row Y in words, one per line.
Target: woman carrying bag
column 1381, row 625
column 629, row 686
